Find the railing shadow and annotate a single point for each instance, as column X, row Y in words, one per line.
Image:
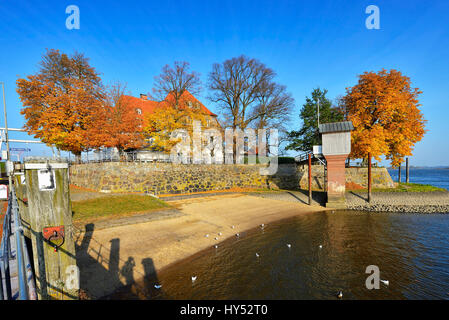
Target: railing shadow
column 104, row 276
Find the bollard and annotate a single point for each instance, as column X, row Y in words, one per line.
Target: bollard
column 50, row 215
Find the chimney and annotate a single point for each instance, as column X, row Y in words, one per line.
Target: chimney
column 143, row 96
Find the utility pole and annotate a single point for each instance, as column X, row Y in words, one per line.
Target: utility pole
column 318, row 107
column 8, row 161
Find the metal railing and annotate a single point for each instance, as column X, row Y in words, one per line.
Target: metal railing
column 17, row 278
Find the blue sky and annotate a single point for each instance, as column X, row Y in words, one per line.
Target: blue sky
column 308, row 43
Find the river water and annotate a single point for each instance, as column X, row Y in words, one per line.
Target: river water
column 432, row 176
column 411, row 251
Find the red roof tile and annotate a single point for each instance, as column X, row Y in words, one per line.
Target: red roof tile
column 149, row 105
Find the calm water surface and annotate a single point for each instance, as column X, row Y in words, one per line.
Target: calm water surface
column 411, row 251
column 435, row 177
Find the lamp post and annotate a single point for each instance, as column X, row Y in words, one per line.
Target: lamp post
column 6, row 136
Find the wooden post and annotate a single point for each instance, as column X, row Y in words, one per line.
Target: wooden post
column 47, row 187
column 369, row 177
column 406, row 171
column 399, row 174
column 310, row 179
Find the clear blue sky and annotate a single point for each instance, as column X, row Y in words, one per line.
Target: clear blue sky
column 308, row 43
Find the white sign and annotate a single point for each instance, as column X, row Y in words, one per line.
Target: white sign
column 3, row 192
column 46, row 180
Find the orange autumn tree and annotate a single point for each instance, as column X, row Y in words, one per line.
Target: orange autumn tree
column 61, row 101
column 119, row 124
column 384, row 110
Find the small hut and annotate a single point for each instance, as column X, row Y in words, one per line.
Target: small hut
column 336, row 146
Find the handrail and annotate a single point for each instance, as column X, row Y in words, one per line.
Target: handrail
column 27, row 288
column 6, row 253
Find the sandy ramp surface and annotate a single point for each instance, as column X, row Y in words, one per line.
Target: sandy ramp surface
column 113, row 257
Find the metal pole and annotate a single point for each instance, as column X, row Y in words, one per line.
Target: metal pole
column 310, row 179
column 6, row 135
column 318, row 107
column 399, row 173
column 369, row 177
column 1, row 284
column 407, row 175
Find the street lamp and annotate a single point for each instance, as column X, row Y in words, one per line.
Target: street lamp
column 8, row 163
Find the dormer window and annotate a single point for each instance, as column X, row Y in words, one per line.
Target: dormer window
column 139, row 111
column 189, row 103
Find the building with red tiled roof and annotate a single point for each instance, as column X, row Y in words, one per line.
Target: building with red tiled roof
column 144, row 105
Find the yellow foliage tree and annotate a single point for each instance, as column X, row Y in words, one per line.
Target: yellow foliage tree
column 384, row 110
column 165, row 119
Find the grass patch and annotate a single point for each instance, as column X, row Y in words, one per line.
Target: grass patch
column 115, row 206
column 407, row 187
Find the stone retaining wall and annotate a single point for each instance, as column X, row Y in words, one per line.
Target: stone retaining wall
column 166, row 178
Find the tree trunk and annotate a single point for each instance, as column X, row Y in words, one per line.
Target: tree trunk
column 77, row 157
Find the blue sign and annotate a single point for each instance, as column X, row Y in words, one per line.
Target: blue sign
column 19, row 149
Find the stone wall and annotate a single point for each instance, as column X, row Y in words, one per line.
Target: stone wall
column 167, row 178
column 356, row 178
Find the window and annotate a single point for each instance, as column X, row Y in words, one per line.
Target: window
column 208, row 123
column 189, row 103
column 139, row 111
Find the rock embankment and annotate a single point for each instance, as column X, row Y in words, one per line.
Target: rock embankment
column 411, row 202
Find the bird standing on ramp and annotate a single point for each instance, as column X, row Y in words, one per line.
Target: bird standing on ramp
column 385, row 282
column 340, row 295
column 157, row 286
column 289, row 245
column 194, row 278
